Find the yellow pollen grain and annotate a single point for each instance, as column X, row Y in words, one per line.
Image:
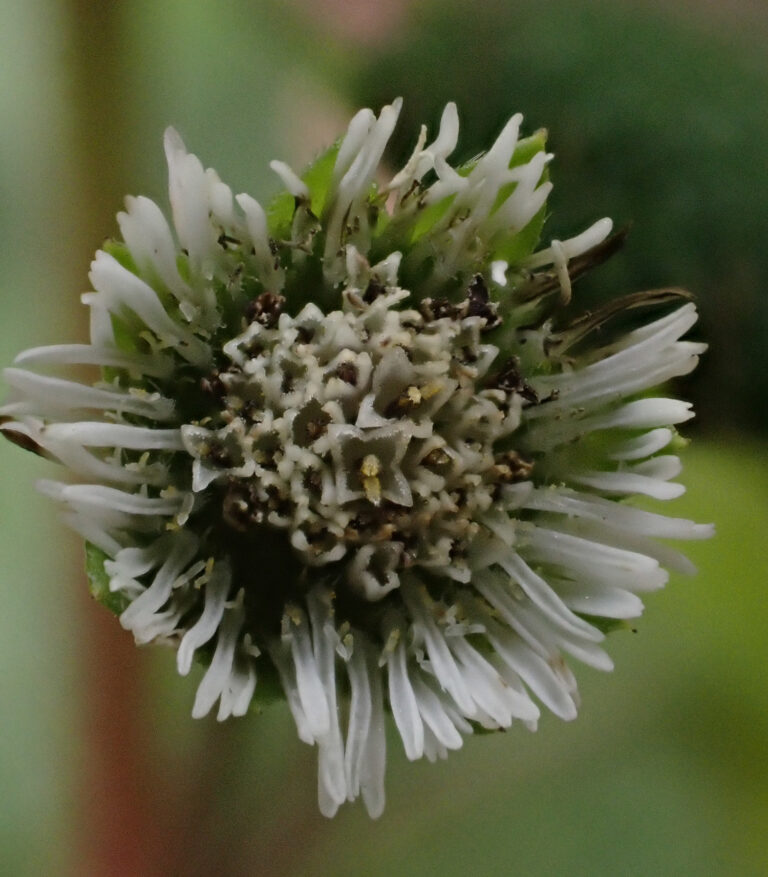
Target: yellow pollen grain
column 413, row 394
column 430, row 390
column 370, row 467
column 369, row 471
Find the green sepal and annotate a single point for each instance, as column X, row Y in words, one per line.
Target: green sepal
column 317, row 177
column 514, row 248
column 120, row 253
column 98, row 580
column 269, row 689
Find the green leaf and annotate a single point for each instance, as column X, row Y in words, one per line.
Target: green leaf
column 280, row 215
column 528, row 147
column 98, row 580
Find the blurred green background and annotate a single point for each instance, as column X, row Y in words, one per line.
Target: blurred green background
column 657, row 115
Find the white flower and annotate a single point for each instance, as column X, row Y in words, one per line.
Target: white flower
column 347, row 446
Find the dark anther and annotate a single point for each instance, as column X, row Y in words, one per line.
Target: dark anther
column 219, row 456
column 318, row 426
column 436, row 459
column 320, row 539
column 278, row 503
column 251, row 411
column 225, row 241
column 304, row 334
column 212, row 385
column 235, row 510
column 347, row 372
column 265, row 309
column 373, row 291
column 312, row 481
column 240, row 508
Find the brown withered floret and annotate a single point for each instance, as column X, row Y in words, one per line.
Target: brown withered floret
column 265, row 309
column 510, row 467
column 319, row 426
column 437, row 308
column 510, row 379
column 479, row 303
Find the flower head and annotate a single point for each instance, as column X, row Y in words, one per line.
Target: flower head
column 351, row 449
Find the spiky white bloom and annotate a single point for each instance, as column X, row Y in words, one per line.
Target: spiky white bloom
column 343, row 447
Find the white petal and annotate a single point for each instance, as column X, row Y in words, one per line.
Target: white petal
column 218, row 676
column 88, row 354
column 642, row 445
column 146, row 232
column 295, row 185
column 575, row 246
column 602, row 563
column 403, row 702
column 310, row 687
column 434, row 716
column 114, row 435
column 156, row 595
column 360, row 710
column 188, row 190
column 216, row 590
column 374, row 757
column 547, row 601
column 58, row 395
column 119, row 289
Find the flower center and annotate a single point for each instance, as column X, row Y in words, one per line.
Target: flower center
column 369, row 435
